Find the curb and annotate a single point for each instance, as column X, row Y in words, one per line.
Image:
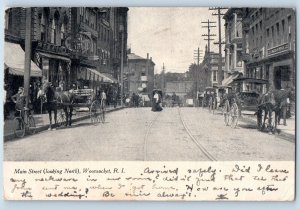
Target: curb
column 282, row 134
column 11, row 136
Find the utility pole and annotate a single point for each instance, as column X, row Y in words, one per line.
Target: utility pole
column 220, row 72
column 208, row 39
column 122, row 66
column 208, row 35
column 27, row 56
column 162, row 84
column 197, row 56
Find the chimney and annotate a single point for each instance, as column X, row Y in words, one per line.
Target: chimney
column 151, row 58
column 147, row 56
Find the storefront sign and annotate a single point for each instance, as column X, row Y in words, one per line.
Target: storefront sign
column 82, row 42
column 278, row 49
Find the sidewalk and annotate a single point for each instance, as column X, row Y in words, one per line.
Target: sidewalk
column 42, row 122
column 287, row 131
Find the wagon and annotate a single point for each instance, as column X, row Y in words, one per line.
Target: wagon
column 230, row 108
column 84, row 101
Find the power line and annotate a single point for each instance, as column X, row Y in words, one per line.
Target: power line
column 209, row 25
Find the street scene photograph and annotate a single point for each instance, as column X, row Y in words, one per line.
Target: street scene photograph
column 149, row 84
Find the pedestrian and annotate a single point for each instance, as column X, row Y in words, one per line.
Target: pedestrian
column 19, row 100
column 103, row 98
column 284, row 103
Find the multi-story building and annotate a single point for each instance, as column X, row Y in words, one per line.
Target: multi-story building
column 80, row 45
column 269, row 48
column 106, row 30
column 234, row 65
column 209, row 68
column 140, row 75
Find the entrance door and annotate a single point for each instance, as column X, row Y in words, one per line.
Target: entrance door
column 277, row 78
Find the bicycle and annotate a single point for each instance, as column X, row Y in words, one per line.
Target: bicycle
column 24, row 122
column 102, row 110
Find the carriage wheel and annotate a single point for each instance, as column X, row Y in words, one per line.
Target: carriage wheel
column 234, row 116
column 95, row 111
column 19, row 127
column 102, row 114
column 31, row 125
column 61, row 117
column 226, row 118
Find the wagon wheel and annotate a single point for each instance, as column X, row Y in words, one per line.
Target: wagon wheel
column 226, row 113
column 95, row 110
column 102, row 113
column 61, row 117
column 234, row 115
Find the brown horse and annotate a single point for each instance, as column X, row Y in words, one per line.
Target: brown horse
column 55, row 100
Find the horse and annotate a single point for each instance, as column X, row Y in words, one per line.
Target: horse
column 269, row 107
column 58, row 99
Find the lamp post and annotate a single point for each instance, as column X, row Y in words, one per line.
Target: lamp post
column 122, row 63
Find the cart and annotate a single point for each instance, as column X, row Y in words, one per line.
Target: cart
column 84, row 101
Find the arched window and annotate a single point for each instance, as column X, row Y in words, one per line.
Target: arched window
column 43, row 27
column 53, row 32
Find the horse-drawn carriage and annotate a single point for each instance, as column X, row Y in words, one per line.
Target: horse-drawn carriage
column 65, row 103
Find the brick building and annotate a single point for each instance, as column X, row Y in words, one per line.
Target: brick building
column 269, row 48
column 140, row 75
column 234, row 65
column 73, row 45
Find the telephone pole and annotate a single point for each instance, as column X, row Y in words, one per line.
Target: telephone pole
column 220, row 71
column 209, row 25
column 197, row 56
column 208, row 35
column 27, row 65
column 163, row 78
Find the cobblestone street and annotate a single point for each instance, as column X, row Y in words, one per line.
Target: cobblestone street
column 177, row 134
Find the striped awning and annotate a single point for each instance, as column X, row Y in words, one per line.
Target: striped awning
column 14, row 61
column 103, row 77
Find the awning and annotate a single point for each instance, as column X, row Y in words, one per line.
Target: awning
column 227, row 81
column 110, row 77
column 251, row 80
column 103, row 77
column 54, row 56
column 14, row 60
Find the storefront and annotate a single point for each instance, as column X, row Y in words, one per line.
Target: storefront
column 55, row 69
column 14, row 61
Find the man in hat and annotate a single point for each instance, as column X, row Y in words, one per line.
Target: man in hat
column 19, row 99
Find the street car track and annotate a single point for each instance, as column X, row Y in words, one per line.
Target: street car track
column 200, row 147
column 147, row 134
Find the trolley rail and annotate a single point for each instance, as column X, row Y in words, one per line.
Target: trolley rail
column 205, row 152
column 198, row 145
column 147, row 134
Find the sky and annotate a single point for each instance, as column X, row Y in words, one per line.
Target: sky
column 170, row 34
